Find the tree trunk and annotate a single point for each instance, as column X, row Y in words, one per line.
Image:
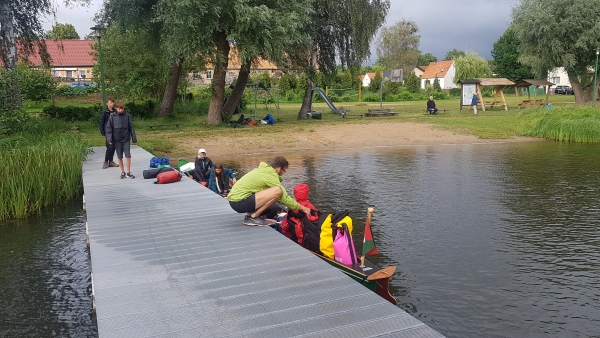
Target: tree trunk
column 583, row 94
column 307, row 102
column 7, row 37
column 238, row 90
column 220, row 63
column 168, row 100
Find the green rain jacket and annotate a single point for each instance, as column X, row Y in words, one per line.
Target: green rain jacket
column 259, row 179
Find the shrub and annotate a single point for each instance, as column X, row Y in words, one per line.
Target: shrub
column 440, row 96
column 455, row 92
column 65, row 90
column 405, row 96
column 145, row 110
column 371, row 98
column 72, row 113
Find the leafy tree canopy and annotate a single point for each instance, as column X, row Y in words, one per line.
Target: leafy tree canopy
column 63, row 31
column 425, row 59
column 471, row 66
column 558, row 34
column 453, row 54
column 506, row 58
column 399, row 45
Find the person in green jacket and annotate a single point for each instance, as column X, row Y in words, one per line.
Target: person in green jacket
column 257, row 192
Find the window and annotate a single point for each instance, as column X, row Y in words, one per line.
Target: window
column 82, row 73
column 555, row 80
column 69, row 73
column 209, row 74
column 195, row 75
column 56, row 73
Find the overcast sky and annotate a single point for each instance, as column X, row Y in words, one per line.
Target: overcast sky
column 472, row 25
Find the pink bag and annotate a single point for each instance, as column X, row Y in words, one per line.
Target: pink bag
column 343, row 247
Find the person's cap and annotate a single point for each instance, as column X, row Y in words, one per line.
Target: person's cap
column 202, row 150
column 475, row 94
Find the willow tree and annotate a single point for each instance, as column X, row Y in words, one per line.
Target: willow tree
column 341, row 31
column 262, row 28
column 556, row 33
column 135, row 51
column 398, row 45
column 471, row 66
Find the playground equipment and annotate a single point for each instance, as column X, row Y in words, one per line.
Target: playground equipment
column 260, row 86
column 330, row 104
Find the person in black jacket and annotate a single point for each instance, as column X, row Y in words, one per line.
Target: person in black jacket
column 119, row 131
column 431, row 106
column 110, row 149
column 202, row 167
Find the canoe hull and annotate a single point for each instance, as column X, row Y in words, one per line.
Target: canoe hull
column 368, row 276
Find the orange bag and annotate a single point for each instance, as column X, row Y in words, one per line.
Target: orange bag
column 168, row 177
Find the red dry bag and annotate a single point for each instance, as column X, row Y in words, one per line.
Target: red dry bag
column 168, row 177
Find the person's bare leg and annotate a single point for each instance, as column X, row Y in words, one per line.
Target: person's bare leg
column 264, row 199
column 121, row 165
column 128, row 161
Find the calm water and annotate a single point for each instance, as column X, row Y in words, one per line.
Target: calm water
column 45, row 285
column 490, row 240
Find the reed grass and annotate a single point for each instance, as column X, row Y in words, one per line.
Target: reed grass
column 38, row 171
column 574, row 124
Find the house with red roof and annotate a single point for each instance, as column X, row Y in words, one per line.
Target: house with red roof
column 367, row 78
column 71, row 61
column 419, row 70
column 444, row 71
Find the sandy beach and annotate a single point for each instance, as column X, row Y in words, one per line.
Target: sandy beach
column 326, row 138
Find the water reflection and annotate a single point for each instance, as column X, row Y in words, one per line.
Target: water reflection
column 490, row 240
column 45, row 285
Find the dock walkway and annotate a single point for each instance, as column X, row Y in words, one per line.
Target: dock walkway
column 174, row 260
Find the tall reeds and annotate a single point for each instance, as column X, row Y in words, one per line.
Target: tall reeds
column 39, row 171
column 575, row 124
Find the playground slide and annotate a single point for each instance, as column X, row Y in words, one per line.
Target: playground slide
column 328, row 101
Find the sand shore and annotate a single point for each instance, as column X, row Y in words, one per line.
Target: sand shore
column 327, row 138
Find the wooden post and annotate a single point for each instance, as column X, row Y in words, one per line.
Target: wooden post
column 529, row 95
column 480, row 97
column 547, row 92
column 503, row 98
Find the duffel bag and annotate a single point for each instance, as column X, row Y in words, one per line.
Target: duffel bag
column 152, row 173
column 168, row 177
column 156, row 161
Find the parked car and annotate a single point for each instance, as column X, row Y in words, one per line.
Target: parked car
column 565, row 90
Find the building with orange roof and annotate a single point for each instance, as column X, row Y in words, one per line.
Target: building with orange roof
column 233, row 68
column 419, row 70
column 444, row 71
column 367, row 78
column 71, row 61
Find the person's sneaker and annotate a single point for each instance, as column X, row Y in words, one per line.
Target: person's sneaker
column 257, row 222
column 130, row 175
column 105, row 165
column 123, row 175
column 112, row 164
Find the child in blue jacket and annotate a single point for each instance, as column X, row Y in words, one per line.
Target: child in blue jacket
column 219, row 179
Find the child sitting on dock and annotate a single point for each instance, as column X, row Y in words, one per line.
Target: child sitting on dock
column 221, row 179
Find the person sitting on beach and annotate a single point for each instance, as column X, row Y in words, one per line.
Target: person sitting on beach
column 257, row 192
column 202, row 167
column 221, row 179
column 431, row 106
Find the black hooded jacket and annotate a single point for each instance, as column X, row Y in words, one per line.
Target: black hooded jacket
column 119, row 128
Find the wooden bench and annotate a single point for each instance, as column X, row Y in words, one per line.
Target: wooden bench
column 439, row 110
column 381, row 112
column 165, row 125
column 358, row 115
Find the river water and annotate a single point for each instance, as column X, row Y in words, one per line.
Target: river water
column 489, row 240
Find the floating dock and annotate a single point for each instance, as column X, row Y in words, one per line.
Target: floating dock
column 174, row 260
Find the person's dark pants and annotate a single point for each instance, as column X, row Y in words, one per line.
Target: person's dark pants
column 432, row 110
column 110, row 152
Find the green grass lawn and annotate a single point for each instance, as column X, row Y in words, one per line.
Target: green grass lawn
column 494, row 123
